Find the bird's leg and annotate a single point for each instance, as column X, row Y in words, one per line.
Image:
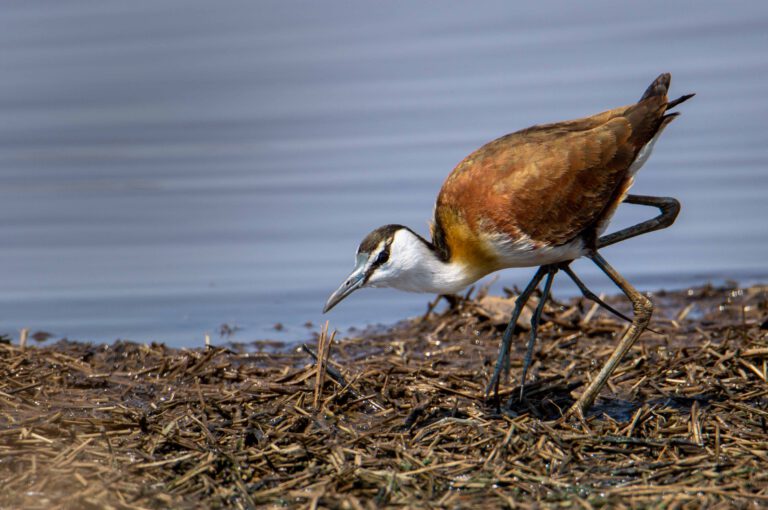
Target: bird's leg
column 551, row 270
column 643, row 308
column 589, row 294
column 503, row 359
column 669, row 208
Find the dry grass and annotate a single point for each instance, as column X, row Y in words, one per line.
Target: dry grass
column 399, row 418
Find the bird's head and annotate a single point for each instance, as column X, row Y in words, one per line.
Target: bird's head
column 384, row 258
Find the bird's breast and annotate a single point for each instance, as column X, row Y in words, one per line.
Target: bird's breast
column 467, row 245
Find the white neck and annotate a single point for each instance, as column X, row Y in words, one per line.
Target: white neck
column 414, row 267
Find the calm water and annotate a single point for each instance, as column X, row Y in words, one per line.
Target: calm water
column 166, row 167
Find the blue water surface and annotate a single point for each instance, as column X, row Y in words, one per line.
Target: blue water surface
column 167, row 167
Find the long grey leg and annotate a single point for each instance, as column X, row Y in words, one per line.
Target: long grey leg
column 589, row 294
column 503, row 359
column 668, row 206
column 551, row 270
column 643, row 309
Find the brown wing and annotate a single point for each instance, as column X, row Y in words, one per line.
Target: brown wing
column 550, row 183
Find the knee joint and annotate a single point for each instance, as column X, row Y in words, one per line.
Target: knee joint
column 671, row 209
column 643, row 308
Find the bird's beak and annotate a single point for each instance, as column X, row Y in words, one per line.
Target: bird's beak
column 353, row 282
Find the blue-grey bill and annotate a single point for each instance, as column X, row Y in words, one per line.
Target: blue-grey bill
column 353, row 282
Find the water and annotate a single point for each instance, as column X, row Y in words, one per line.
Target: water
column 167, row 167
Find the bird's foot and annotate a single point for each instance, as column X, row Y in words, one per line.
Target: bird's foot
column 576, row 412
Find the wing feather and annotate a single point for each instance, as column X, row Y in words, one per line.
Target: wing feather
column 548, row 183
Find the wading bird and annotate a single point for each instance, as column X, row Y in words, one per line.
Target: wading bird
column 542, row 197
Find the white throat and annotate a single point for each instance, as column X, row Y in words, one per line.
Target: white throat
column 414, row 267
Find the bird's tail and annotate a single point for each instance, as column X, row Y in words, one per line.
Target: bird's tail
column 679, row 100
column 659, row 87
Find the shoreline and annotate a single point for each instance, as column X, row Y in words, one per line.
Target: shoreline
column 684, row 417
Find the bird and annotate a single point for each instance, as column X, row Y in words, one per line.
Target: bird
column 539, row 197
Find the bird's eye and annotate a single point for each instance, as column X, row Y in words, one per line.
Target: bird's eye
column 381, row 258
